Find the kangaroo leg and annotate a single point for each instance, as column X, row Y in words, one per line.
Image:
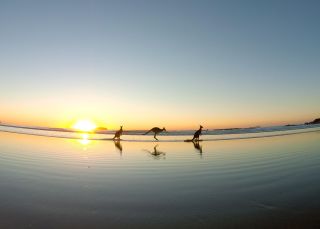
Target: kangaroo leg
column 155, row 136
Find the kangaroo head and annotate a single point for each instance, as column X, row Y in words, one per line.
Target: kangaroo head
column 201, row 127
column 164, row 129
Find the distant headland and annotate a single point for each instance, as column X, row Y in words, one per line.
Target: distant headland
column 316, row 121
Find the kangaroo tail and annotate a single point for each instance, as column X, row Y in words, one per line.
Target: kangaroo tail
column 147, row 132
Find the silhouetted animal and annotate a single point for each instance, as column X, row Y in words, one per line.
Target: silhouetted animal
column 197, row 134
column 118, row 134
column 156, row 130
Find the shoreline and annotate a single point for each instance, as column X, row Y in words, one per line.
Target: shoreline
column 205, row 137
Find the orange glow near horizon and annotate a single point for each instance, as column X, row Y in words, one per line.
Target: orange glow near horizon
column 87, row 122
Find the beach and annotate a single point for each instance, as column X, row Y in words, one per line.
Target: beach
column 159, row 114
column 255, row 182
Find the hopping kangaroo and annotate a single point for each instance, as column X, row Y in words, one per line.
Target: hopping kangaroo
column 118, row 134
column 156, row 130
column 197, row 134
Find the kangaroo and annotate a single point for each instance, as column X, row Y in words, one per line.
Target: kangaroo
column 118, row 134
column 197, row 134
column 156, row 130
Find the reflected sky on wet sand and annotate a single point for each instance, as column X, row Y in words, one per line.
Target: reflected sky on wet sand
column 62, row 183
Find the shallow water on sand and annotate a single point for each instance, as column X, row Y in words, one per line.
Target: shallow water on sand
column 251, row 183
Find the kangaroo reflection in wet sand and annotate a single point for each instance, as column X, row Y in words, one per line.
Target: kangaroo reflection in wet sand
column 118, row 134
column 156, row 130
column 156, row 154
column 198, row 147
column 117, row 144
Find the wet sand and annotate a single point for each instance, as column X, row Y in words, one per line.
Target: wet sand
column 246, row 183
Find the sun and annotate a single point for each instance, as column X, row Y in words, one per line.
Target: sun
column 84, row 126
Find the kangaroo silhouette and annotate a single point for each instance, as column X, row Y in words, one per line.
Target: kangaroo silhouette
column 118, row 134
column 197, row 134
column 156, row 130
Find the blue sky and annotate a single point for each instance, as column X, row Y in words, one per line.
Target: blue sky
column 221, row 63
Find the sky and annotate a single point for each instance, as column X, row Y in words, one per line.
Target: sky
column 150, row 63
